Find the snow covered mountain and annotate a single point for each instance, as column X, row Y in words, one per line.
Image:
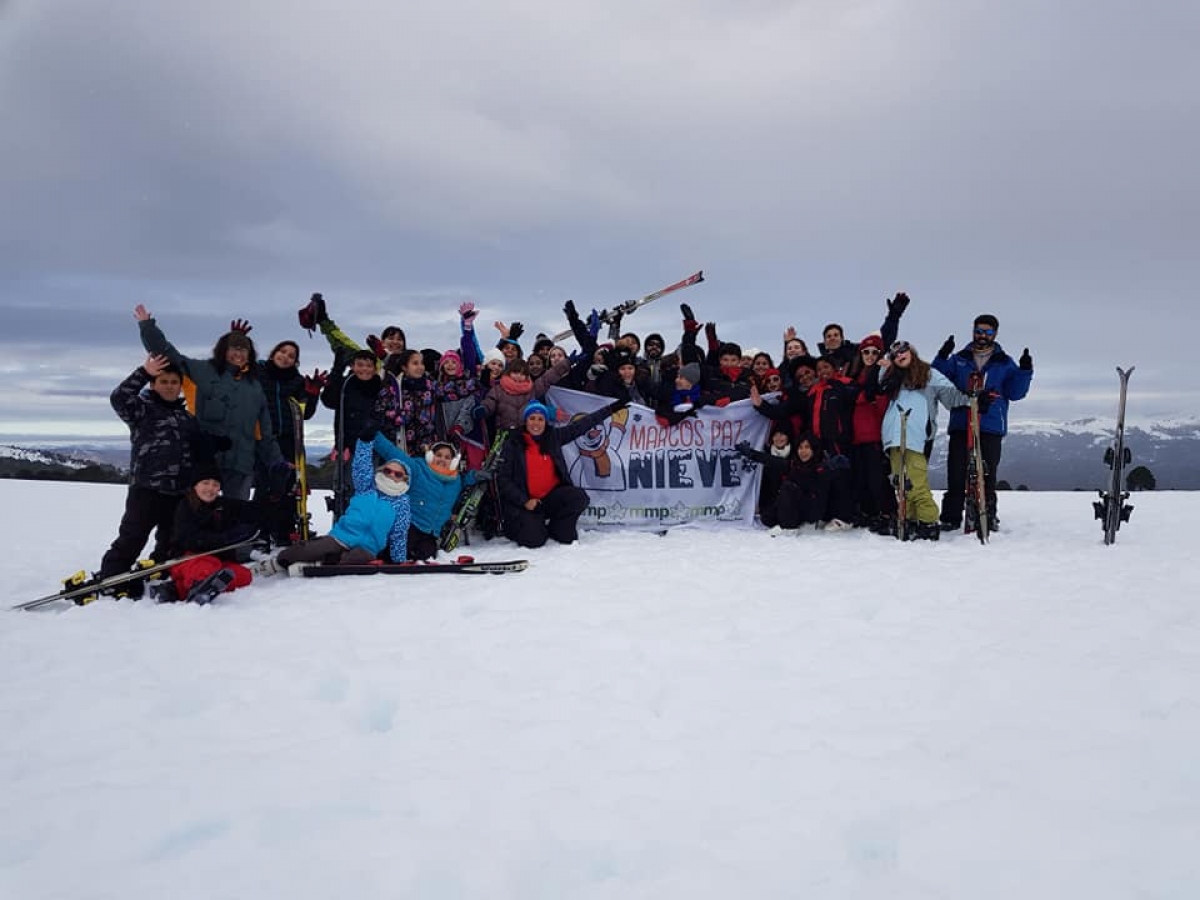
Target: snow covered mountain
column 1043, row 456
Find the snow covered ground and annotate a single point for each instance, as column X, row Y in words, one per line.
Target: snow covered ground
column 710, row 714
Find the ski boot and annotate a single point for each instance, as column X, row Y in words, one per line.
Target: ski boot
column 162, row 590
column 204, row 592
column 266, row 567
column 927, row 531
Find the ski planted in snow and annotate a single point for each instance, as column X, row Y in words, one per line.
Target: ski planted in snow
column 975, row 516
column 1111, row 509
column 900, row 479
column 468, row 504
column 77, row 587
column 607, row 316
column 317, row 570
column 300, row 460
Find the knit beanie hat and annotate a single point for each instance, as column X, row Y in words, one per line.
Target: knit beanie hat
column 451, row 354
column 874, row 339
column 690, row 372
column 203, row 472
column 535, row 407
column 493, row 355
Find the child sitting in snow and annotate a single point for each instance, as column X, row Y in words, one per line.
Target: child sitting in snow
column 204, row 521
column 377, row 517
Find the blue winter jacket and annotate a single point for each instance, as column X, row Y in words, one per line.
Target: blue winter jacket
column 433, row 494
column 373, row 520
column 1000, row 374
column 922, row 417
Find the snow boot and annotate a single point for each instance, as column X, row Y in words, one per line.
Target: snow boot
column 927, row 531
column 205, row 591
column 265, row 568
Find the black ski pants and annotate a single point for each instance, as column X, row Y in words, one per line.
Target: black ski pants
column 323, row 550
column 873, row 492
column 956, row 474
column 557, row 517
column 797, row 506
column 145, row 510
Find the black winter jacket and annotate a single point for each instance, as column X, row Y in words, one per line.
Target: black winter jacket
column 511, row 477
column 360, row 396
column 166, row 441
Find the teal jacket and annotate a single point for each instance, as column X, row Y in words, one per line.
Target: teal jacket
column 432, row 494
column 227, row 404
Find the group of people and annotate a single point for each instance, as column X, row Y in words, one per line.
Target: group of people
column 413, row 428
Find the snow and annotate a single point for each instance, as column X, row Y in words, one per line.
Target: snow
column 709, row 714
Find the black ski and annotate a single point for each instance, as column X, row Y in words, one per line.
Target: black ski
column 317, row 570
column 1111, row 509
column 468, row 503
column 97, row 586
column 608, row 316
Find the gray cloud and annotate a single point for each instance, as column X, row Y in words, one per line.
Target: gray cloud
column 1032, row 160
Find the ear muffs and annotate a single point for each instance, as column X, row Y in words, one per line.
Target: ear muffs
column 431, row 459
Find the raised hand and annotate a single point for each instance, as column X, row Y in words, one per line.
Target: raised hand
column 315, row 382
column 947, row 348
column 467, row 313
column 789, row 334
column 898, row 304
column 1026, row 361
column 154, row 364
column 241, row 326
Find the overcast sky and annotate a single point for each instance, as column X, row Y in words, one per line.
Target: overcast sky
column 1034, row 160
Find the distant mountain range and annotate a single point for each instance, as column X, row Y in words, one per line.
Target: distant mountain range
column 1041, row 456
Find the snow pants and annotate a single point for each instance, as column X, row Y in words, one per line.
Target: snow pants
column 188, row 573
column 557, row 518
column 920, row 499
column 796, row 506
column 323, row 549
column 145, row 511
column 873, row 494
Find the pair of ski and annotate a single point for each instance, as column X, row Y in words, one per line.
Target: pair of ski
column 103, row 585
column 976, row 519
column 1111, row 509
column 609, row 316
column 466, row 567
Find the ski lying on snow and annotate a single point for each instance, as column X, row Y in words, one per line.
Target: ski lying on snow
column 317, row 570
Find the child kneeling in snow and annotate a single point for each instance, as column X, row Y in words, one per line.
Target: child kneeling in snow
column 378, row 516
column 203, row 522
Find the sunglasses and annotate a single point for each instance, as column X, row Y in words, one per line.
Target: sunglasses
column 986, row 332
column 869, row 351
column 394, row 473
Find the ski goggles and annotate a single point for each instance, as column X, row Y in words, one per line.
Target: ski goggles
column 897, row 348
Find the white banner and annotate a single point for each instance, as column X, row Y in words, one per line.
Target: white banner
column 639, row 473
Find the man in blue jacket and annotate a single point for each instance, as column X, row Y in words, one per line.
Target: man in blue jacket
column 981, row 367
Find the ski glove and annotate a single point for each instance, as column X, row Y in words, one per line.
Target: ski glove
column 595, row 371
column 515, row 330
column 946, row 349
column 467, row 312
column 1026, row 361
column 743, row 447
column 376, row 345
column 484, row 474
column 369, row 429
column 479, row 412
column 985, row 400
column 241, row 326
column 898, row 304
column 839, row 463
column 593, row 323
column 315, row 382
column 688, row 315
